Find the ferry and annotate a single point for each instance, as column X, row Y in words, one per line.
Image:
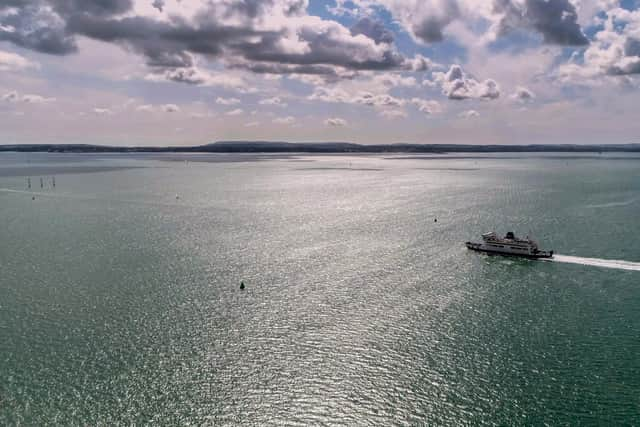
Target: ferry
column 509, row 245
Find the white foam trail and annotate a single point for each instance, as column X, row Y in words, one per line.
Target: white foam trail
column 613, row 204
column 597, row 262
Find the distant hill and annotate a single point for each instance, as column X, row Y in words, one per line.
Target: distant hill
column 322, row 147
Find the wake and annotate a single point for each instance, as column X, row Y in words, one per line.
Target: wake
column 597, row 262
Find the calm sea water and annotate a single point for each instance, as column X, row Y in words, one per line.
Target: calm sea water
column 120, row 299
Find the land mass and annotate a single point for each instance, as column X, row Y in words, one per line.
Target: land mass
column 321, row 147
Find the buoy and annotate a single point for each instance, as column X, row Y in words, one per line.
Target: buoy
column 33, row 197
column 435, row 220
column 177, row 197
column 241, row 285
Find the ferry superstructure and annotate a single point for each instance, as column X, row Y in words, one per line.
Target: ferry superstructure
column 509, row 245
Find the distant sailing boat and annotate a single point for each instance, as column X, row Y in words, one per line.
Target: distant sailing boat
column 29, row 183
column 41, row 183
column 53, row 181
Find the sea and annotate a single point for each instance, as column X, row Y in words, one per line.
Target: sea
column 120, row 299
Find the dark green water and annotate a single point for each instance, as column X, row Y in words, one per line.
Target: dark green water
column 120, row 302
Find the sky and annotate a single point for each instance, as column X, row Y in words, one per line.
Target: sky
column 190, row 72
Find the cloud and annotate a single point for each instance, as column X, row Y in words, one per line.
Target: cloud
column 427, row 106
column 227, row 101
column 469, row 114
column 158, row 4
column 14, row 96
column 146, row 108
column 373, row 29
column 522, row 94
column 374, row 92
column 102, row 111
column 164, row 108
column 335, row 122
column 378, row 100
column 338, row 95
column 243, row 33
column 457, row 85
column 236, row 112
column 555, row 20
column 393, row 114
column 170, row 108
column 425, row 20
column 330, row 94
column 36, row 99
column 197, row 76
column 419, row 63
column 14, row 62
column 615, row 50
column 35, row 25
column 288, row 120
column 11, row 96
column 251, row 124
column 428, row 20
column 273, row 101
column 391, row 80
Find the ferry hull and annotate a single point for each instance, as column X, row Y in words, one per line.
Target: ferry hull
column 479, row 247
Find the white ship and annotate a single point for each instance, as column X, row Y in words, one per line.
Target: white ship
column 509, row 245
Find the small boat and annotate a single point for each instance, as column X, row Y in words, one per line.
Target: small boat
column 509, row 245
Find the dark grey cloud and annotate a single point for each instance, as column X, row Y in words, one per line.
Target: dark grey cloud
column 158, row 4
column 430, row 29
column 163, row 43
column 33, row 27
column 41, row 25
column 92, row 7
column 255, row 8
column 224, row 30
column 426, row 20
column 632, row 47
column 555, row 20
column 374, row 29
column 324, row 47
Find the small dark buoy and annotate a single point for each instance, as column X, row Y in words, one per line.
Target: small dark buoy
column 435, row 220
column 33, row 197
column 241, row 285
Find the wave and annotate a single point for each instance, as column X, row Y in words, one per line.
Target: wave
column 598, row 262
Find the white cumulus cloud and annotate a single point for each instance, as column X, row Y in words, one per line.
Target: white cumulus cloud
column 288, row 120
column 170, row 108
column 335, row 122
column 227, row 101
column 457, row 85
column 236, row 112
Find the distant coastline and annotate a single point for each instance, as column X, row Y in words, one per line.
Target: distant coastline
column 322, row 147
